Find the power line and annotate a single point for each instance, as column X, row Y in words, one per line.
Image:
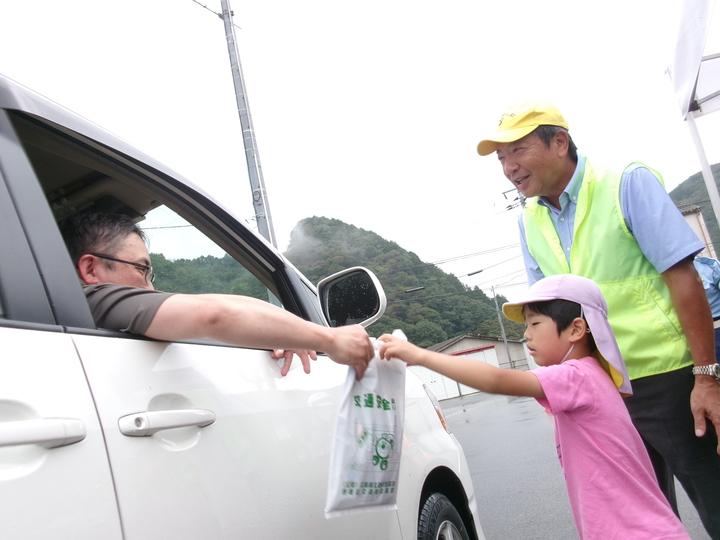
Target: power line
column 423, row 264
column 511, row 275
column 447, row 295
column 484, row 252
column 508, row 285
column 214, row 12
column 492, row 265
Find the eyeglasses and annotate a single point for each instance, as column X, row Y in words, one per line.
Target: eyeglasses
column 147, row 269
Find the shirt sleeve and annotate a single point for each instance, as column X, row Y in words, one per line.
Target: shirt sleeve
column 532, row 268
column 122, row 308
column 650, row 214
column 716, row 274
column 565, row 386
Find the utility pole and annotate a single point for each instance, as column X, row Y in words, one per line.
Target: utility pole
column 502, row 328
column 257, row 185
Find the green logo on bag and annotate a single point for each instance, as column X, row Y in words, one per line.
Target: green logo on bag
column 383, row 449
column 372, row 401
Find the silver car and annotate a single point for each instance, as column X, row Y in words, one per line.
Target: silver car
column 105, row 435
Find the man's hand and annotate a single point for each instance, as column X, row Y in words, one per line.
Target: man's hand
column 705, row 404
column 288, row 354
column 351, row 346
column 691, row 304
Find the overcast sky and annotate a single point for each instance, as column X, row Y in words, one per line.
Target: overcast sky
column 368, row 112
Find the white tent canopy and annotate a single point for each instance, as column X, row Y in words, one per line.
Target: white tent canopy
column 707, row 90
column 695, row 75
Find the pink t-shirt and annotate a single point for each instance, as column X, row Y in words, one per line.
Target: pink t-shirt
column 610, row 481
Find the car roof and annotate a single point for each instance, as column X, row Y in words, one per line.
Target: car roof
column 16, row 96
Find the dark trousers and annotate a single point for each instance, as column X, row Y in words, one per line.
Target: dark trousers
column 660, row 410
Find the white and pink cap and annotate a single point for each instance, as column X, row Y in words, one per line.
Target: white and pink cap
column 585, row 292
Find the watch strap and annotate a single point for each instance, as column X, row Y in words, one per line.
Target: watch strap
column 712, row 370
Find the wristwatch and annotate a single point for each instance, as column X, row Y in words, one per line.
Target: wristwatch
column 710, row 369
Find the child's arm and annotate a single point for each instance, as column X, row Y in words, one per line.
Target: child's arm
column 476, row 374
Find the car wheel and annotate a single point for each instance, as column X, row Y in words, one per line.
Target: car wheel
column 440, row 520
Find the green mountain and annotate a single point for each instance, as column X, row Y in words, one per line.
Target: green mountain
column 692, row 192
column 206, row 274
column 442, row 309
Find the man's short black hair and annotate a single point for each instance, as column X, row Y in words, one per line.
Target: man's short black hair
column 562, row 312
column 96, row 231
column 546, row 133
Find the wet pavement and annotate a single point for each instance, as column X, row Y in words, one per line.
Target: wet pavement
column 519, row 486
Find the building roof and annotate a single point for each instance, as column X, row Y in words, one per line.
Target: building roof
column 444, row 345
column 688, row 208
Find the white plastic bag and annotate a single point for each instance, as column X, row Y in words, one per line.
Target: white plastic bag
column 365, row 459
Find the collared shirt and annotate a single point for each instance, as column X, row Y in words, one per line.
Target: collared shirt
column 649, row 213
column 709, row 270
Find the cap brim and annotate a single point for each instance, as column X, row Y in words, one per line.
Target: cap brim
column 607, row 346
column 514, row 312
column 489, row 145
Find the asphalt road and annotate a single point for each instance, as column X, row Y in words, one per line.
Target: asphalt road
column 520, row 490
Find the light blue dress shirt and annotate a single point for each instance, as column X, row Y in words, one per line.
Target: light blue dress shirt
column 661, row 231
column 709, row 270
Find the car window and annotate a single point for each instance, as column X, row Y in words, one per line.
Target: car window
column 185, row 260
column 194, row 246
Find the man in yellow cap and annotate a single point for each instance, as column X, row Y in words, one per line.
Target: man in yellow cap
column 621, row 229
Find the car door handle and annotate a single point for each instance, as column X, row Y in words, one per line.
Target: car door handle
column 47, row 432
column 144, row 424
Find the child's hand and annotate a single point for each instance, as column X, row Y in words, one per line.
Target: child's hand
column 393, row 347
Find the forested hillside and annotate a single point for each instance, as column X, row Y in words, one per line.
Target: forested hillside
column 442, row 309
column 205, row 274
column 693, row 192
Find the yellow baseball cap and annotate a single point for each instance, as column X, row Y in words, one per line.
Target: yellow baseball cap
column 521, row 120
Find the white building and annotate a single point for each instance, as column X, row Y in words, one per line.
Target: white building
column 473, row 349
column 694, row 218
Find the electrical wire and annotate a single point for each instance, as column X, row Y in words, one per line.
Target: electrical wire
column 484, row 252
column 447, row 295
column 492, row 265
column 215, row 12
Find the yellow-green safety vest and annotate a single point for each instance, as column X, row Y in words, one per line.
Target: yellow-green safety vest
column 640, row 310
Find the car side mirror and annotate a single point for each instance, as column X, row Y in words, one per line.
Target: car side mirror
column 352, row 296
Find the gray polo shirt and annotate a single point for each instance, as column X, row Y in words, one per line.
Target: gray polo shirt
column 127, row 309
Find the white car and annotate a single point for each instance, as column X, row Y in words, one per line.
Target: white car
column 104, row 435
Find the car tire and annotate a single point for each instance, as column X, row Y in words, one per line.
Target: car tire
column 440, row 520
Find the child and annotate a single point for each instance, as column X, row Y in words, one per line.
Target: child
column 610, row 481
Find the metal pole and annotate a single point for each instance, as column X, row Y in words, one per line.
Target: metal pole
column 502, row 328
column 705, row 167
column 257, row 185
